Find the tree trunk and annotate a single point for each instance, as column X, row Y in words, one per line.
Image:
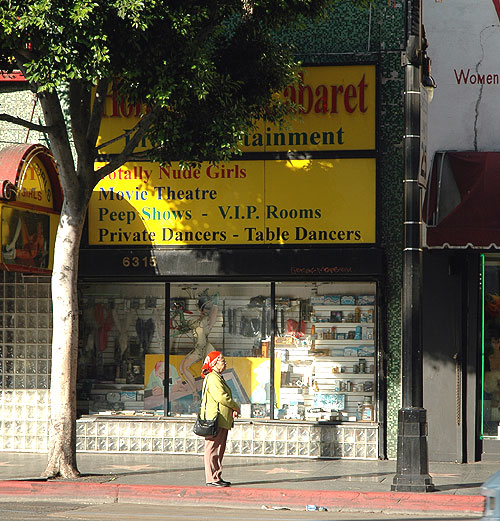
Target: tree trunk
column 62, row 428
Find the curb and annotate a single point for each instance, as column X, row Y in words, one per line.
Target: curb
column 255, row 497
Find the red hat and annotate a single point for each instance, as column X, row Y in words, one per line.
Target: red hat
column 209, row 362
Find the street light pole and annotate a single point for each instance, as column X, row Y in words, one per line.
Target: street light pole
column 412, row 473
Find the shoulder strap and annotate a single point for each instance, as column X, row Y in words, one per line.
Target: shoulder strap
column 203, row 406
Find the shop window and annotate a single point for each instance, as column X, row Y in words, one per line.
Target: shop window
column 120, row 325
column 491, row 348
column 294, row 351
column 325, row 345
column 235, row 319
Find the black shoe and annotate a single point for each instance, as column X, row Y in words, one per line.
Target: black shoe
column 219, row 483
column 228, row 483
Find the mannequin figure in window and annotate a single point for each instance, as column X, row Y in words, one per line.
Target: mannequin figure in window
column 200, row 329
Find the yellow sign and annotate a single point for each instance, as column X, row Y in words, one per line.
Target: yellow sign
column 334, row 110
column 318, row 201
column 35, row 187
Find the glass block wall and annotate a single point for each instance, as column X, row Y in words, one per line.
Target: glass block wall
column 25, row 337
column 245, row 439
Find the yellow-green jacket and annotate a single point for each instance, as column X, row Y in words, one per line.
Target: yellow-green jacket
column 218, row 392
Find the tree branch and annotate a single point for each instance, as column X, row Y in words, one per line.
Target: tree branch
column 118, row 138
column 24, row 123
column 97, row 108
column 79, row 102
column 140, row 130
column 59, row 140
column 20, row 56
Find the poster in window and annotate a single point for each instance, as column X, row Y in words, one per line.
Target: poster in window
column 25, row 238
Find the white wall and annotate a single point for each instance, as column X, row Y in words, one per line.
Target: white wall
column 463, row 35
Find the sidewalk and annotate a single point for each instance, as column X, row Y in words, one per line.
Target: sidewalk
column 274, row 482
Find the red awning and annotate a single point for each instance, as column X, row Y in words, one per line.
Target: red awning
column 12, row 160
column 462, row 202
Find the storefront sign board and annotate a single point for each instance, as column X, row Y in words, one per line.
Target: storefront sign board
column 30, row 209
column 334, row 108
column 315, row 201
column 35, row 186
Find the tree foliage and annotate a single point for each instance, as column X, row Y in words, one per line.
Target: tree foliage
column 206, row 70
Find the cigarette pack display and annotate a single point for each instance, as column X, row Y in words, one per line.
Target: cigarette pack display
column 368, row 386
column 331, row 299
column 246, row 410
column 133, row 405
column 365, row 351
column 365, row 300
column 334, row 400
column 128, row 396
column 290, row 391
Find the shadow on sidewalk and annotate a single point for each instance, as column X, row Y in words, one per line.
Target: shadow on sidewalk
column 455, row 486
column 379, row 477
column 352, row 478
column 201, row 468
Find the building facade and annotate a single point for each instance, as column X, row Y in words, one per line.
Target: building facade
column 461, row 212
column 287, row 259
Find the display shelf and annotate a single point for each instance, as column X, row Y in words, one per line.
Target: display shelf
column 340, row 307
column 339, row 357
column 305, row 396
column 348, row 341
column 343, row 375
column 341, row 324
column 352, row 393
column 318, row 359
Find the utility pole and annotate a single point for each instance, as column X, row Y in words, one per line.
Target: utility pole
column 412, row 472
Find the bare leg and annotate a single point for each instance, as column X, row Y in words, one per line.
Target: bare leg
column 190, row 359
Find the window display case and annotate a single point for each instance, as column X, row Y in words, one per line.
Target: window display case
column 235, row 319
column 303, row 351
column 327, row 351
column 121, row 324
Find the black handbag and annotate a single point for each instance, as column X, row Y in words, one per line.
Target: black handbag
column 201, row 427
column 205, row 428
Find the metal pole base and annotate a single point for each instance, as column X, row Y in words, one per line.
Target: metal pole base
column 412, row 472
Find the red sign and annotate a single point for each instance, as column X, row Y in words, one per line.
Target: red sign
column 11, row 76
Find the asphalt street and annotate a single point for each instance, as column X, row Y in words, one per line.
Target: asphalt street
column 44, row 511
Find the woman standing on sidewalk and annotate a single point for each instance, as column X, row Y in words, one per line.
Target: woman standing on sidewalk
column 218, row 401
